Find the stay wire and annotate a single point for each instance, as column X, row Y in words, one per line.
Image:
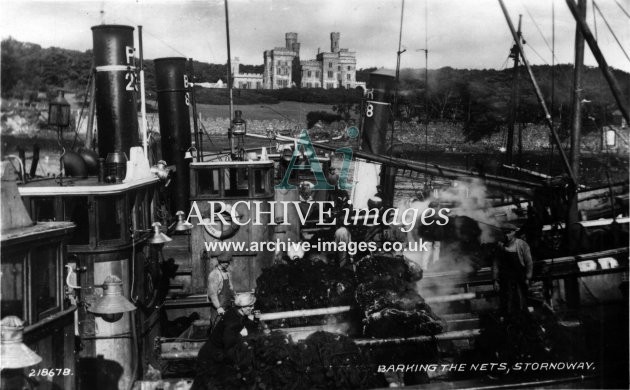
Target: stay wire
column 553, row 76
column 78, row 124
column 622, row 9
column 610, row 29
column 145, row 31
column 538, row 54
column 504, row 63
column 538, row 29
column 594, row 20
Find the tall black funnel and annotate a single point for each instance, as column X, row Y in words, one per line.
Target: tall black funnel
column 116, row 107
column 377, row 113
column 172, row 96
column 377, row 118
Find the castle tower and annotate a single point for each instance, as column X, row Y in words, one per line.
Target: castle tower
column 295, row 46
column 236, row 62
column 291, row 39
column 334, row 42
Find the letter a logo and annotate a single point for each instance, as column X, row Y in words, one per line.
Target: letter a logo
column 313, row 165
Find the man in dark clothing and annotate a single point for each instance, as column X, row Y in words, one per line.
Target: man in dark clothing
column 215, row 362
column 220, row 289
column 512, row 271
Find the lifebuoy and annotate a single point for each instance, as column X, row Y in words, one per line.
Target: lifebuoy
column 218, row 229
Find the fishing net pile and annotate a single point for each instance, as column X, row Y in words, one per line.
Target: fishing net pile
column 387, row 297
column 300, row 285
column 321, row 361
column 382, row 288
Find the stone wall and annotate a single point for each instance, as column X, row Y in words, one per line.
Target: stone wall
column 440, row 136
column 450, row 137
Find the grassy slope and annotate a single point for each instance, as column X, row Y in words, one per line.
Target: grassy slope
column 294, row 111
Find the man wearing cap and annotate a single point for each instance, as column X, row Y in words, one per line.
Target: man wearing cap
column 220, row 289
column 512, row 271
column 215, row 361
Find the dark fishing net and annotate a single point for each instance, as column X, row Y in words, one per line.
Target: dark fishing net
column 387, row 297
column 383, row 291
column 382, row 288
column 375, row 267
column 303, row 285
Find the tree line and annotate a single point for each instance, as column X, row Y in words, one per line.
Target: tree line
column 479, row 99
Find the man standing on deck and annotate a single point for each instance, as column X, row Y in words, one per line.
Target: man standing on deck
column 220, row 289
column 512, row 271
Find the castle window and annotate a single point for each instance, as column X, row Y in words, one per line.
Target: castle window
column 330, row 74
column 349, row 68
column 279, row 71
column 330, row 85
column 330, row 64
column 309, row 85
column 339, row 68
column 347, row 86
column 348, row 77
column 317, row 74
column 308, row 73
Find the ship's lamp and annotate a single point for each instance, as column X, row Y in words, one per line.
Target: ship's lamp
column 239, row 125
column 59, row 111
column 182, row 224
column 15, row 354
column 158, row 237
column 113, row 304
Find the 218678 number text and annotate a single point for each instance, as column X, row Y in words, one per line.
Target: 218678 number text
column 50, row 372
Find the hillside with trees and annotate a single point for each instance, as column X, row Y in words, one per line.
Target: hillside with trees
column 478, row 99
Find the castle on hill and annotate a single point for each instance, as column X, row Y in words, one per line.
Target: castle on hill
column 283, row 68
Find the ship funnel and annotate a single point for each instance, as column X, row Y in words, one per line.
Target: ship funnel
column 377, row 118
column 173, row 100
column 116, row 107
column 377, row 113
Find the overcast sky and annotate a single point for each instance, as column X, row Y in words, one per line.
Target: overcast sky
column 460, row 33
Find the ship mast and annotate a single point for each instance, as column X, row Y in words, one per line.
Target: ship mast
column 601, row 61
column 229, row 77
column 515, row 100
column 539, row 96
column 143, row 108
column 576, row 129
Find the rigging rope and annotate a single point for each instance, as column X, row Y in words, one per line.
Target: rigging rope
column 504, row 63
column 624, row 11
column 553, row 76
column 538, row 29
column 78, row 124
column 157, row 38
column 610, row 29
column 594, row 20
column 538, row 54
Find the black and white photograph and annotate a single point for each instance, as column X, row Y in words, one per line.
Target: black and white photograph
column 302, row 194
